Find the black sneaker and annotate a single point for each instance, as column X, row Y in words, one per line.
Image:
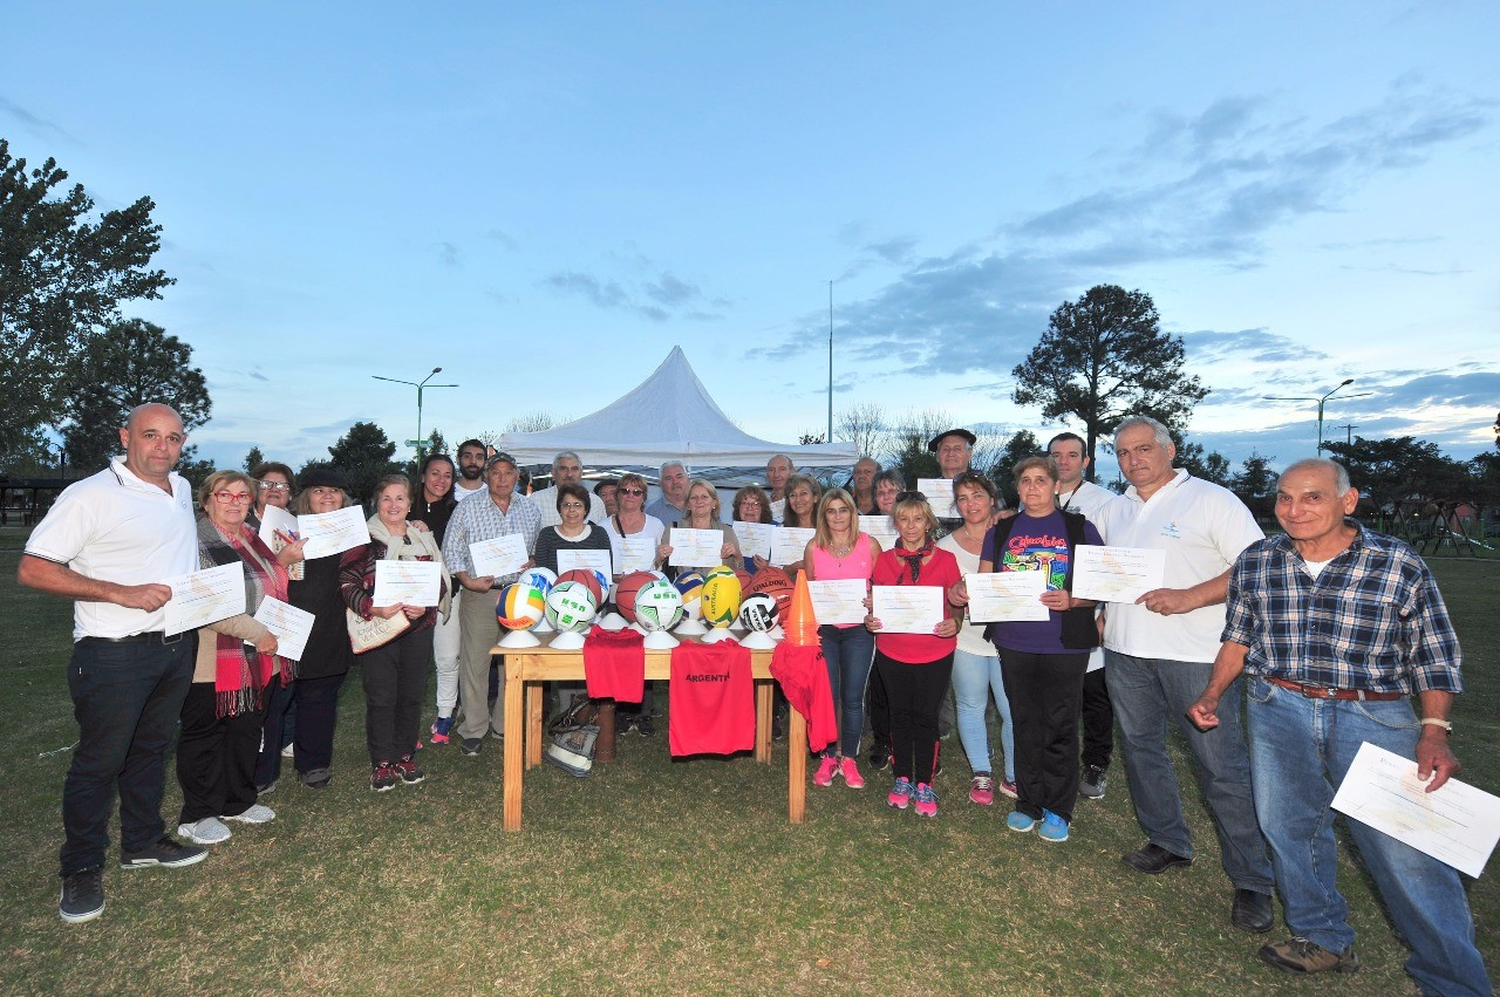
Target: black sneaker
column 471, row 745
column 646, row 725
column 1091, row 785
column 165, row 852
column 82, row 896
column 880, row 756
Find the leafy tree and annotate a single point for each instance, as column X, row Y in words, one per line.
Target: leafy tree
column 1255, row 479
column 1023, row 444
column 435, row 443
column 1210, row 466
column 134, row 362
column 1401, row 473
column 62, row 278
column 361, row 455
column 1104, row 357
column 254, row 459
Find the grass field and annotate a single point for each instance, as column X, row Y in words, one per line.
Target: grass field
column 652, row 876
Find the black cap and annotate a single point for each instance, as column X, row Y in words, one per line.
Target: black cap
column 323, row 477
column 932, row 444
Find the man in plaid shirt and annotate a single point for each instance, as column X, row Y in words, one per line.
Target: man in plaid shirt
column 1337, row 627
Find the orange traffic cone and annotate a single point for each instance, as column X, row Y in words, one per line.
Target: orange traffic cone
column 801, row 623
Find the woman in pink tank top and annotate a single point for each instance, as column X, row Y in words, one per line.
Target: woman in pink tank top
column 838, row 550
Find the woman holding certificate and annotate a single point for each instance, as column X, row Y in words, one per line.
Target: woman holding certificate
column 752, row 505
column 914, row 651
column 223, row 713
column 703, row 514
column 1043, row 660
column 395, row 673
column 327, row 656
column 635, row 538
column 573, row 533
column 976, row 662
column 839, row 551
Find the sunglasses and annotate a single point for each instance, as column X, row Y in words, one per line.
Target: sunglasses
column 631, row 491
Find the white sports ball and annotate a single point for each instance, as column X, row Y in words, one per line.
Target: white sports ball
column 570, row 606
column 758, row 612
column 540, row 578
column 658, row 605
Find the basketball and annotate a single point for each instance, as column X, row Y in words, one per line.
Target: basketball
column 775, row 583
column 521, row 606
column 658, row 605
column 758, row 612
column 588, row 579
column 571, row 606
column 720, row 600
column 630, row 585
column 540, row 578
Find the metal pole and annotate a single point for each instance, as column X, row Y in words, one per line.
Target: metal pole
column 829, row 438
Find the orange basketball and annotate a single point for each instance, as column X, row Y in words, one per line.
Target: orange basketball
column 627, row 588
column 775, row 583
column 588, row 579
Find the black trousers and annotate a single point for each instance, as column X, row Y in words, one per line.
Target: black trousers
column 395, row 681
column 317, row 709
column 878, row 709
column 1098, row 720
column 281, row 702
column 216, row 757
column 1045, row 691
column 914, row 694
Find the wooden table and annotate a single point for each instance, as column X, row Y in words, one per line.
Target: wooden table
column 527, row 668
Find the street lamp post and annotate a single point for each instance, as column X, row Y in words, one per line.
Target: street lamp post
column 419, row 385
column 1321, row 400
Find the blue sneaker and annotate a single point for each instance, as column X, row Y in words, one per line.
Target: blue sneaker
column 1017, row 821
column 1053, row 828
column 901, row 794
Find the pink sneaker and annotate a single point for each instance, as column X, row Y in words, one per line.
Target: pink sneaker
column 926, row 805
column 1009, row 789
column 826, row 768
column 982, row 790
column 850, row 772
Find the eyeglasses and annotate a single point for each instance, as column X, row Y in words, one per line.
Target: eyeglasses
column 275, row 486
column 233, row 498
column 573, row 505
column 631, row 491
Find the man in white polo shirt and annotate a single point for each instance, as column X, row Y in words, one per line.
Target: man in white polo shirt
column 1160, row 651
column 108, row 543
column 567, row 469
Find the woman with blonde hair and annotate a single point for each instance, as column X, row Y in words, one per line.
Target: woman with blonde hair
column 703, row 514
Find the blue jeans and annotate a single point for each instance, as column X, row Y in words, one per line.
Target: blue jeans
column 849, row 652
column 975, row 676
column 1300, row 749
column 1147, row 693
column 126, row 698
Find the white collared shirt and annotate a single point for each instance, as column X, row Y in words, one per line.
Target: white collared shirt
column 115, row 527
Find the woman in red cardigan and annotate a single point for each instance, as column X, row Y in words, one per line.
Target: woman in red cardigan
column 915, row 667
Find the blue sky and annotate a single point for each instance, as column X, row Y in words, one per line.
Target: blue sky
column 543, row 199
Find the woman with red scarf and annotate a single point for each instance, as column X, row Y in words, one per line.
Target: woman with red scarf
column 915, row 668
column 224, row 710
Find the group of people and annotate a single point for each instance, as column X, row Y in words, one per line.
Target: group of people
column 1332, row 628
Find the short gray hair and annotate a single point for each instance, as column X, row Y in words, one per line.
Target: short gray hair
column 1162, row 433
column 791, row 465
column 566, row 453
column 667, row 464
column 1341, row 482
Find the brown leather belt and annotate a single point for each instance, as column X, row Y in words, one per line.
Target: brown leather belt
column 1318, row 692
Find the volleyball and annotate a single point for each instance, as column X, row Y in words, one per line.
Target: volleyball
column 690, row 586
column 658, row 605
column 571, row 606
column 720, row 600
column 758, row 612
column 540, row 578
column 521, row 606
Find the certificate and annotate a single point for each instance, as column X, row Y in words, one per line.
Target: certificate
column 585, row 560
column 1007, row 596
column 203, row 597
column 498, row 556
column 1458, row 824
column 292, row 626
column 693, row 548
column 333, row 532
column 637, row 553
column 1116, row 574
column 939, row 492
column 754, row 539
column 907, row 609
column 839, row 601
column 275, row 525
column 789, row 543
column 881, row 528
column 778, row 510
column 412, row 583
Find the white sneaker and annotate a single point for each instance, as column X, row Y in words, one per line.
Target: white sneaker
column 258, row 813
column 205, row 831
column 287, row 751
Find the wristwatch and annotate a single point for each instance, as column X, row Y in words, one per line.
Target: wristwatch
column 1435, row 722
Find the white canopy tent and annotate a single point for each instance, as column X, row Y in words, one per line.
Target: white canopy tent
column 670, row 415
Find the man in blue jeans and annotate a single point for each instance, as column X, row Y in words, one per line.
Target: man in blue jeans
column 1159, row 651
column 108, row 543
column 1337, row 628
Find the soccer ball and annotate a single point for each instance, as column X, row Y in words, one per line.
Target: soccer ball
column 571, row 606
column 658, row 605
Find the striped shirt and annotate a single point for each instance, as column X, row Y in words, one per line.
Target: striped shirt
column 481, row 519
column 1373, row 619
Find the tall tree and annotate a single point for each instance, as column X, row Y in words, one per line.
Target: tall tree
column 1021, row 445
column 1104, row 357
column 254, row 459
column 361, row 455
column 1208, row 465
column 134, row 362
column 866, row 426
column 62, row 278
column 1255, row 479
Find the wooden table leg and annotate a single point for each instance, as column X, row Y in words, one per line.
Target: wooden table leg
column 515, row 726
column 536, row 694
column 796, row 748
column 765, row 694
column 604, row 744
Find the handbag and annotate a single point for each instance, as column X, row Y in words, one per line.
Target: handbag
column 366, row 635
